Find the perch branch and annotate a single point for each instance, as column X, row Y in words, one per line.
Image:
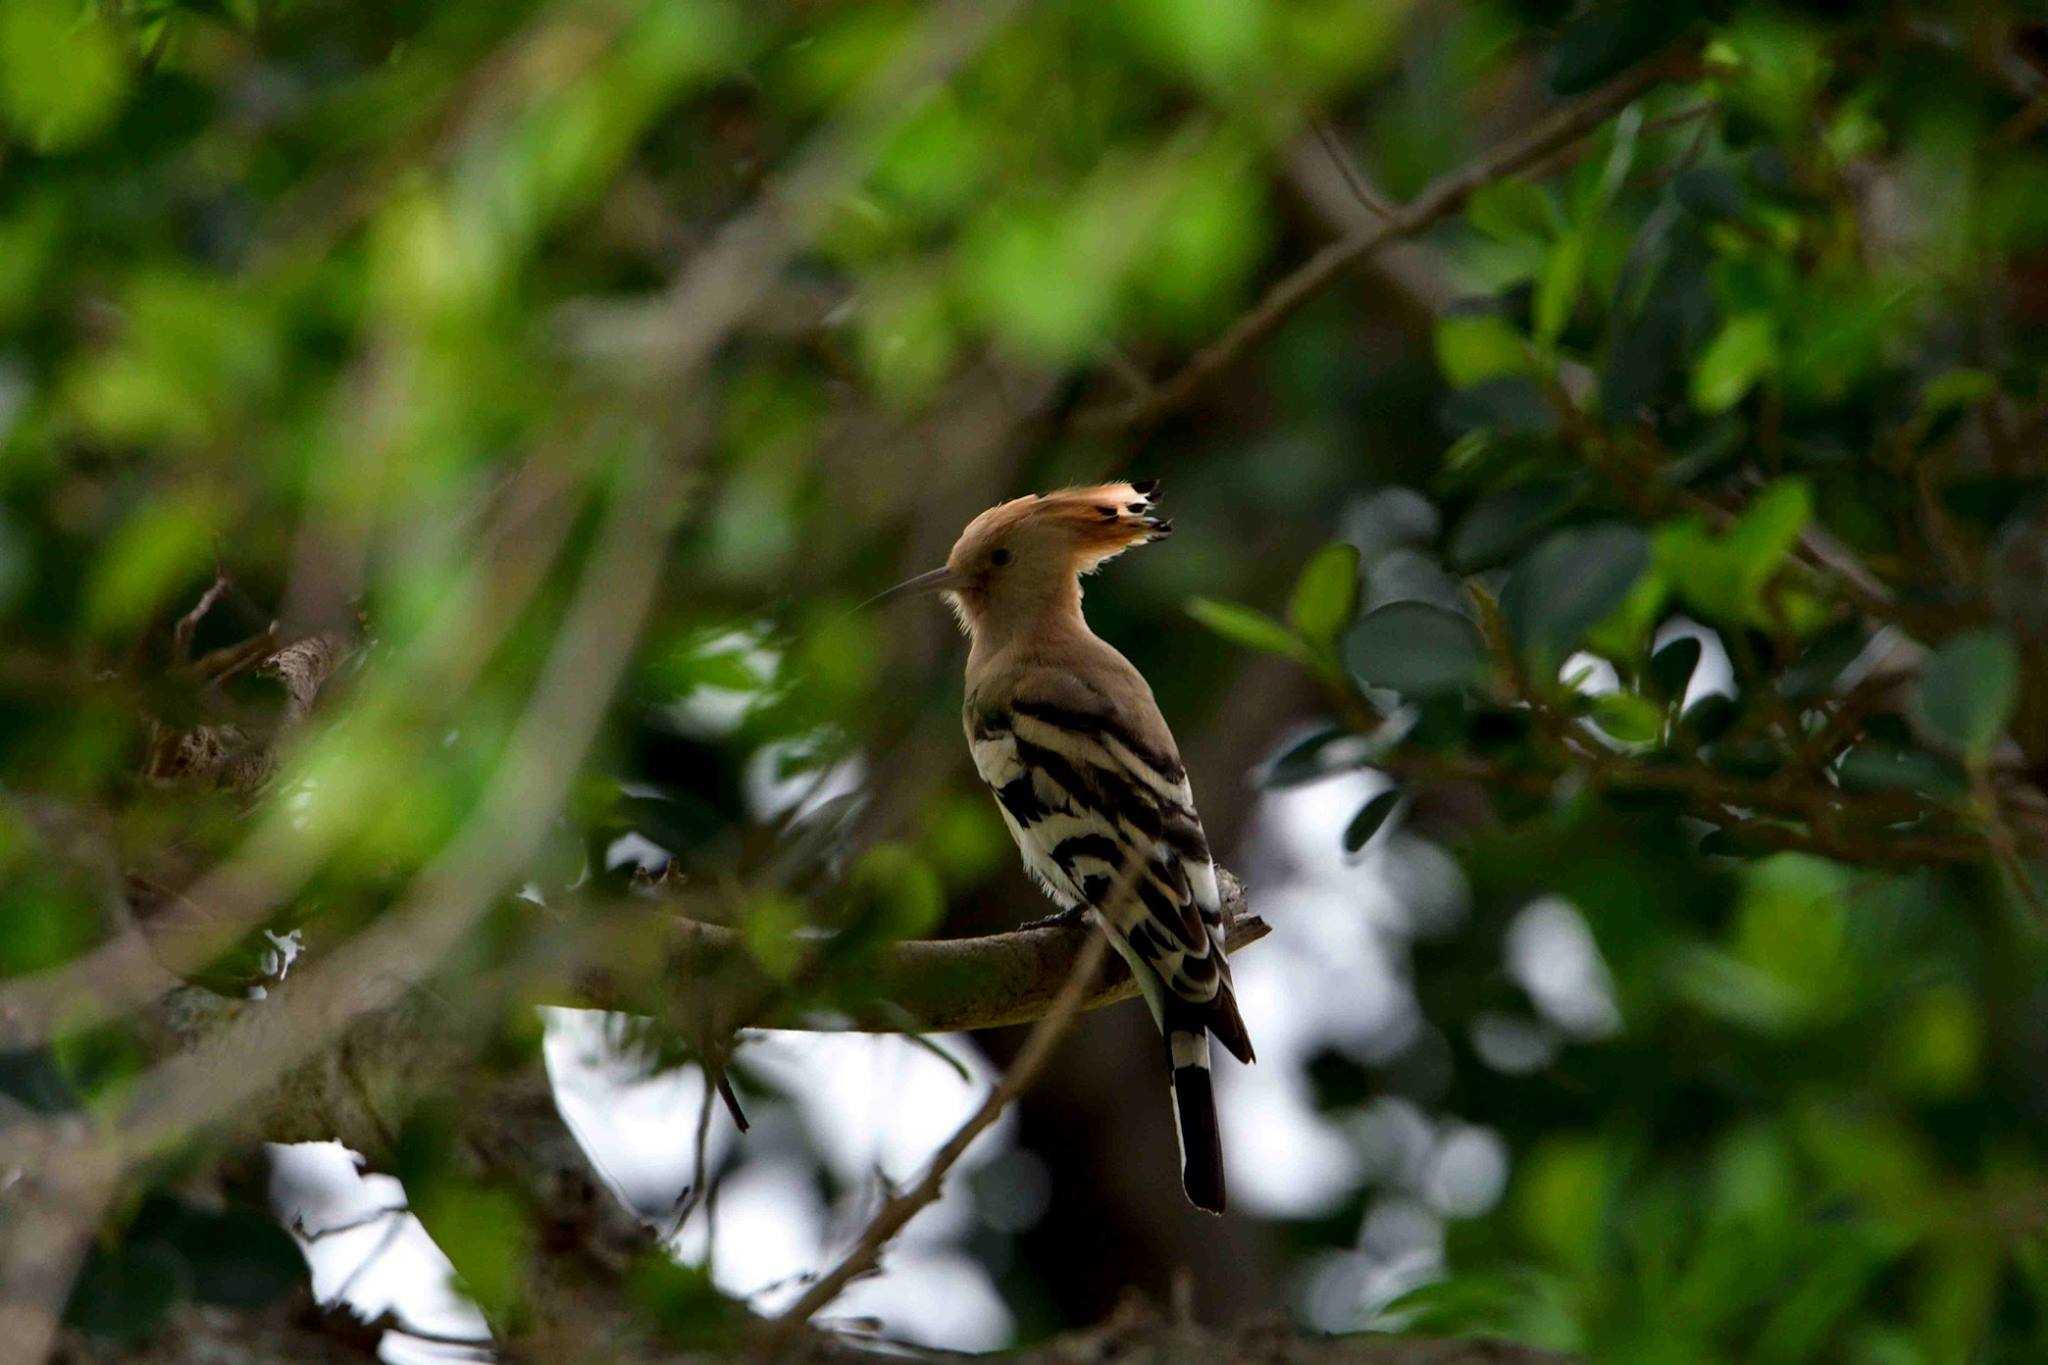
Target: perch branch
column 1437, row 201
column 945, row 985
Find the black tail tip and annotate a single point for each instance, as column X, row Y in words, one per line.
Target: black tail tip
column 1201, row 1145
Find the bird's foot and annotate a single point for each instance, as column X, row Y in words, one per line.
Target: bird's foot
column 1065, row 919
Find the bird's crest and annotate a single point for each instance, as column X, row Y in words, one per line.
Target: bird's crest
column 1099, row 522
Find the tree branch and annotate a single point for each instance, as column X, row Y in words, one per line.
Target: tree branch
column 933, row 985
column 1438, row 200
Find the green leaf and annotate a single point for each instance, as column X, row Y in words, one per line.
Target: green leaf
column 484, row 1232
column 124, row 1292
column 1326, row 595
column 1957, row 389
column 1305, row 760
column 1568, row 585
column 1415, row 649
column 683, row 1304
column 1246, row 626
column 1724, row 577
column 1472, row 348
column 1792, row 926
column 1514, row 211
column 899, row 891
column 1969, row 688
column 1769, row 528
column 1711, row 717
column 1628, row 717
column 62, row 72
column 1560, row 1196
column 238, row 1257
column 769, row 928
column 1557, row 287
column 1875, row 766
column 1370, row 817
column 1745, row 350
column 154, row 553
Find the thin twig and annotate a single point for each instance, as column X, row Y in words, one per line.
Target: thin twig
column 687, row 1203
column 1438, row 200
column 370, row 1218
column 898, row 1209
column 1373, row 200
column 385, row 1241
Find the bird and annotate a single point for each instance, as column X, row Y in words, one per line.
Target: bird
column 1066, row 733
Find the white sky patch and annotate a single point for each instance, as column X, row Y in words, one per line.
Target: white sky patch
column 385, row 1262
column 637, row 849
column 859, row 1103
column 1589, row 675
column 1551, row 954
column 1714, row 675
column 940, row 1299
column 771, row 794
column 771, row 1226
column 1512, row 1045
column 708, row 712
column 638, row 1129
column 1282, row 1158
column 878, row 1102
column 1467, row 1173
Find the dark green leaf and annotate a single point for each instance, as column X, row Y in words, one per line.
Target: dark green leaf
column 1969, row 688
column 1887, row 767
column 1502, row 523
column 1710, row 192
column 123, row 1292
column 1501, row 405
column 238, row 1257
column 1370, row 817
column 1671, row 668
column 682, row 1303
column 1612, row 36
column 1568, row 585
column 1415, row 649
column 1304, row 760
column 1814, row 672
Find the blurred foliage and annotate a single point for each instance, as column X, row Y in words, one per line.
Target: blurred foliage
column 356, row 324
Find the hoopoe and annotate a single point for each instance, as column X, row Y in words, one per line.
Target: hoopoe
column 1066, row 733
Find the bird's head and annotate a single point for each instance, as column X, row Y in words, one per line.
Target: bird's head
column 1021, row 557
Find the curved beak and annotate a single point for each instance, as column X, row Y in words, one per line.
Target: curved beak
column 938, row 580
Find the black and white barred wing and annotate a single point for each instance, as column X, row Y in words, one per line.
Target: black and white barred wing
column 1085, row 799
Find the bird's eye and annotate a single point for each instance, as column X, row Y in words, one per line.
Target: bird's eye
column 999, row 558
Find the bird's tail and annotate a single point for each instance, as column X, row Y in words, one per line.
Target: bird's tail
column 1194, row 1109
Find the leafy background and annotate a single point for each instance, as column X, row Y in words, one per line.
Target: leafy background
column 1605, row 626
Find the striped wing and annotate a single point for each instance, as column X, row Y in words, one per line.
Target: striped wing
column 1085, row 799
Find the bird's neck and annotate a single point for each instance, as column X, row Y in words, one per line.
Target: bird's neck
column 1046, row 620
